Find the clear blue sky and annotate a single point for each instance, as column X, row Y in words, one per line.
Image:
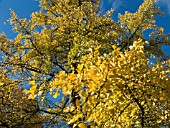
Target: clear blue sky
column 24, row 8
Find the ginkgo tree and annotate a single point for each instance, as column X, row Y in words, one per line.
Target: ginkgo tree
column 84, row 69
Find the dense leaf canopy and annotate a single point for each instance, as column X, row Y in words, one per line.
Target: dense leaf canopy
column 71, row 66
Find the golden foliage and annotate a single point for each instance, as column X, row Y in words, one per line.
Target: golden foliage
column 97, row 69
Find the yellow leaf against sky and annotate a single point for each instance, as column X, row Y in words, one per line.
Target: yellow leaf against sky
column 56, row 95
column 32, row 82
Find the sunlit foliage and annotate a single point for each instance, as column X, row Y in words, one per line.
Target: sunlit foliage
column 76, row 67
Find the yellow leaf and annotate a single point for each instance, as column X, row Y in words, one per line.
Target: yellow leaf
column 161, row 29
column 98, row 62
column 82, row 125
column 98, row 122
column 67, row 109
column 80, row 67
column 71, row 76
column 69, row 85
column 44, row 79
column 25, row 91
column 91, row 72
column 32, row 82
column 31, row 96
column 161, row 98
column 6, row 57
column 75, row 118
column 55, row 95
column 89, row 33
column 1, row 83
column 62, row 73
column 114, row 46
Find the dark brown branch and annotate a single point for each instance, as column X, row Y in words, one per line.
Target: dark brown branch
column 138, row 103
column 121, row 112
column 130, row 38
column 45, row 111
column 142, row 110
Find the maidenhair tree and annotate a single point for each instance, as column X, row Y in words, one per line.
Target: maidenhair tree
column 75, row 67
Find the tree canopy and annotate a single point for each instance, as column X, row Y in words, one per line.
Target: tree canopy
column 70, row 65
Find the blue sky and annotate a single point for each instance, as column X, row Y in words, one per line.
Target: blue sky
column 120, row 6
column 24, row 8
